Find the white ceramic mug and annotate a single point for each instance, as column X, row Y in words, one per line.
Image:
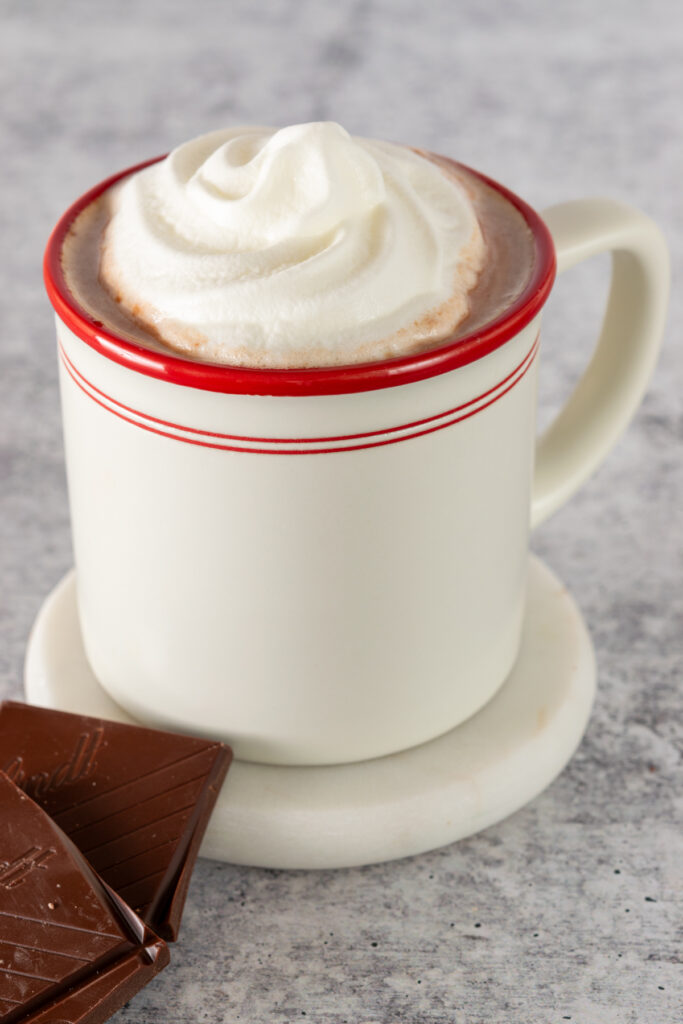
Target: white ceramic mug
column 323, row 566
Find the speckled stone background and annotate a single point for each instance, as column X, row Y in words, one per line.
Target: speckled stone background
column 568, row 910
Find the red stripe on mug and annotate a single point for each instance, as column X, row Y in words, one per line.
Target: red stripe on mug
column 116, row 409
column 156, row 421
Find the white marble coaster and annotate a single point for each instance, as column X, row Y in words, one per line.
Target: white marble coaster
column 392, row 806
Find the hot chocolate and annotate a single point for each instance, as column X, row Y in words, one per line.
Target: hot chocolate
column 302, row 247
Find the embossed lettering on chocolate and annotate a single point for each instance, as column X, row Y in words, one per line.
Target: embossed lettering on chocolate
column 71, row 950
column 135, row 801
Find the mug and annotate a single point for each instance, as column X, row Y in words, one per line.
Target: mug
column 327, row 565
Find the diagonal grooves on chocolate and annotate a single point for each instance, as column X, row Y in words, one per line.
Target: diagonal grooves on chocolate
column 139, row 853
column 49, row 952
column 8, row 943
column 77, row 805
column 143, row 878
column 138, row 803
column 178, row 865
column 57, row 924
column 23, row 974
column 133, row 831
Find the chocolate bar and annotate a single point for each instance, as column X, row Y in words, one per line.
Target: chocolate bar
column 135, row 801
column 71, row 951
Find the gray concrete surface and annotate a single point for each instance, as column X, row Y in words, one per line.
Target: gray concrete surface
column 568, row 910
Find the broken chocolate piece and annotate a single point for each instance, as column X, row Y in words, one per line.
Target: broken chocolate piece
column 70, row 948
column 135, row 801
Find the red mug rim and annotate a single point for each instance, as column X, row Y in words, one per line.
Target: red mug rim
column 173, row 368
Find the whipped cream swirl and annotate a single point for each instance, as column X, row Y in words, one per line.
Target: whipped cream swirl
column 292, row 248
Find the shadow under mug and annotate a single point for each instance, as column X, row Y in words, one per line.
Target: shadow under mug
column 324, row 566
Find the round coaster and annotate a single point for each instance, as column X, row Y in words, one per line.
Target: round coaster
column 394, row 806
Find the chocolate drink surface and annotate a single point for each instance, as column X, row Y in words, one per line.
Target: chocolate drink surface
column 304, row 247
column 135, row 801
column 71, row 952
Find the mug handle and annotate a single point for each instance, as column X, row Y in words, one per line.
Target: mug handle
column 613, row 384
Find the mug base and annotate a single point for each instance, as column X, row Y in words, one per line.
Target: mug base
column 390, row 807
